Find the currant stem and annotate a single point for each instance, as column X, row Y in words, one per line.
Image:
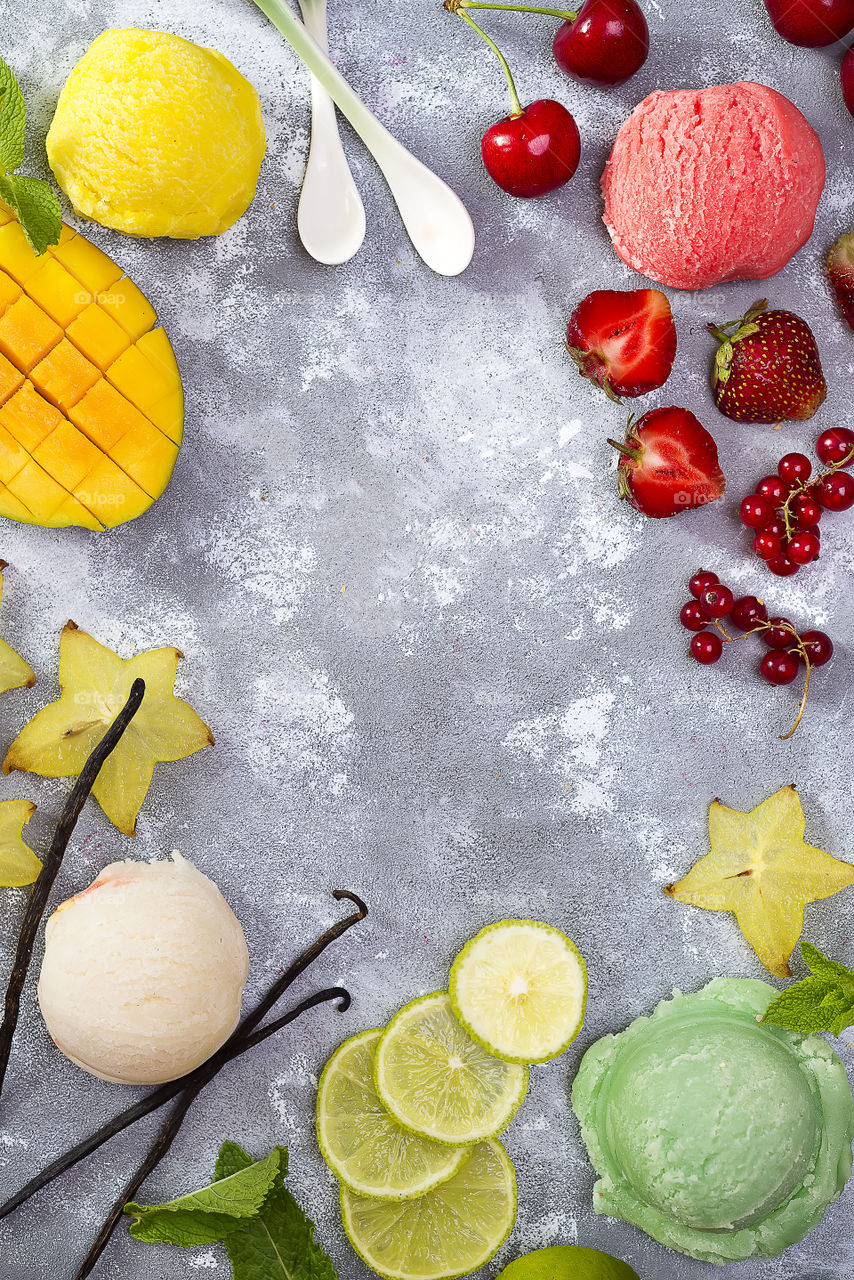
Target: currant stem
column 455, row 7
column 806, row 657
column 811, row 484
column 566, row 14
column 803, row 653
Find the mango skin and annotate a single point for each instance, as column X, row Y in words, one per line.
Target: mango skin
column 156, row 136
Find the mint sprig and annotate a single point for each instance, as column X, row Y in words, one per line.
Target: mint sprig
column 822, row 1002
column 33, row 202
column 247, row 1206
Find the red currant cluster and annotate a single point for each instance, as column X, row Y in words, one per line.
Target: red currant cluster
column 788, row 649
column 785, row 509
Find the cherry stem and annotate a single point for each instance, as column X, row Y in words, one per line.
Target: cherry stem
column 566, row 14
column 453, row 6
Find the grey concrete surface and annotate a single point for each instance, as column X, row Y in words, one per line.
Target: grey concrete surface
column 440, row 657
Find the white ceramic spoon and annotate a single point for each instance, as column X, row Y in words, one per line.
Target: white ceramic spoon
column 434, row 216
column 331, row 216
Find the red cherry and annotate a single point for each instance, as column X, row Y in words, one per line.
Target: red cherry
column 779, row 667
column 692, row 617
column 704, row 578
column 756, row 511
column 803, row 547
column 818, row 646
column 716, row 601
column 794, row 467
column 782, row 566
column 847, row 77
column 811, row 23
column 836, row 492
column 774, row 488
column 779, row 634
column 707, row 647
column 834, row 446
column 532, row 153
column 604, row 44
column 767, row 545
column 807, row 510
column 747, row 612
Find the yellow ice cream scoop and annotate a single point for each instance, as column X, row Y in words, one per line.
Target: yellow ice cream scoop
column 155, row 136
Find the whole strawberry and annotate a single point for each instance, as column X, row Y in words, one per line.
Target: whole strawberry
column 767, row 368
column 840, row 268
column 668, row 463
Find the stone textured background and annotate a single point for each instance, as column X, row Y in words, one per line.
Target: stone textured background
column 441, row 659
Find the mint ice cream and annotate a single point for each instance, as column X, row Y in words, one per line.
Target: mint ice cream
column 717, row 1136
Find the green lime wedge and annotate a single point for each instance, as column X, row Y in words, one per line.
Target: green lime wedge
column 451, row 1231
column 520, row 990
column 435, row 1081
column 363, row 1146
column 567, row 1262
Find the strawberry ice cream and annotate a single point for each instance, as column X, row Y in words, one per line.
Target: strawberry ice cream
column 709, row 185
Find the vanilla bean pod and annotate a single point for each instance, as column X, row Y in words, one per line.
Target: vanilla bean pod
column 170, row 1128
column 52, row 863
column 245, row 1037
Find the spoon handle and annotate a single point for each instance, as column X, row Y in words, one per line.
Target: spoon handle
column 435, row 218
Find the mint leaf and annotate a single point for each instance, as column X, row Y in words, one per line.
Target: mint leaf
column 37, row 208
column 208, row 1214
column 277, row 1245
column 13, row 119
column 822, row 1002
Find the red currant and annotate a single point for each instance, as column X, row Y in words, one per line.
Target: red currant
column 807, row 510
column 775, row 488
column 756, row 511
column 716, row 601
column 803, row 547
column 779, row 667
column 706, row 647
column 767, row 545
column 794, row 467
column 779, row 634
column 818, row 646
column 692, row 616
column 835, row 445
column 776, row 526
column 747, row 612
column 782, row 566
column 704, row 578
column 836, row 492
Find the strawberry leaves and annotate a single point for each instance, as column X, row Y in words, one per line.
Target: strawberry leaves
column 822, row 1002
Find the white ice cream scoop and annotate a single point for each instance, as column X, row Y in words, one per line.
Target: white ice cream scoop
column 143, row 972
column 435, row 218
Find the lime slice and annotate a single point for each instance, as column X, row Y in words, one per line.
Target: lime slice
column 451, row 1231
column 435, row 1081
column 363, row 1146
column 520, row 989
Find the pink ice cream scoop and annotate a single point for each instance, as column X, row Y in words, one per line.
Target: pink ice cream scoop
column 708, row 185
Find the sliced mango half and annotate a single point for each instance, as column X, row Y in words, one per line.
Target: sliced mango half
column 91, row 403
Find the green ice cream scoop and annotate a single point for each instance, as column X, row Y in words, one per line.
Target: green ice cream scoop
column 717, row 1136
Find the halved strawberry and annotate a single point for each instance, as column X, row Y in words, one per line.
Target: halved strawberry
column 668, row 463
column 767, row 367
column 625, row 341
column 840, row 268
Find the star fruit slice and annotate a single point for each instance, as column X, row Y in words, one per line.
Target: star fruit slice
column 95, row 684
column 761, row 869
column 18, row 864
column 15, row 673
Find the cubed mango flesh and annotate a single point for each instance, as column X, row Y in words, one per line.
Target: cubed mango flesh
column 91, row 403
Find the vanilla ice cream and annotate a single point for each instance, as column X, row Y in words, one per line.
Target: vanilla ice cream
column 143, row 972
